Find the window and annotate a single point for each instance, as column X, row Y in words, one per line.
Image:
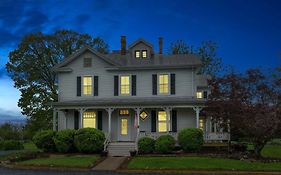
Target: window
column 89, row 120
column 137, row 54
column 201, row 123
column 87, row 62
column 123, row 112
column 164, row 84
column 162, row 119
column 124, row 126
column 87, row 85
column 144, row 53
column 125, row 85
column 199, row 94
column 143, row 115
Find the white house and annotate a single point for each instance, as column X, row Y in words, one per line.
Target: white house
column 131, row 93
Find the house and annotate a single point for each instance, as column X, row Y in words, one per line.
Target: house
column 131, row 93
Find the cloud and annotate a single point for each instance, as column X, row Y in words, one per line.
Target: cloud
column 6, row 115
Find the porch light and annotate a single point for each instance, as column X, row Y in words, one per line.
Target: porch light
column 143, row 115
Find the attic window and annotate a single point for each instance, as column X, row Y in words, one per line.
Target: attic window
column 144, row 53
column 87, row 62
column 137, row 54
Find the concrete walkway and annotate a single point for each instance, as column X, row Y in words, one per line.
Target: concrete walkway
column 110, row 164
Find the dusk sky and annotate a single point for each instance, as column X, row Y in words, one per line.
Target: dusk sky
column 248, row 32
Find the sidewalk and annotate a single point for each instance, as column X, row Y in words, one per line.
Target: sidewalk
column 110, row 164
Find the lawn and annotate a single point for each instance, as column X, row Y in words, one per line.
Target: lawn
column 273, row 151
column 77, row 161
column 199, row 163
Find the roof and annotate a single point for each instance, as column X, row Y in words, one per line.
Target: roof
column 131, row 101
column 141, row 40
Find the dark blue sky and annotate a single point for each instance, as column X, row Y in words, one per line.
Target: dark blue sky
column 248, row 32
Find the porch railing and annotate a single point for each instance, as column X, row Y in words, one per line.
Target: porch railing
column 106, row 141
column 155, row 135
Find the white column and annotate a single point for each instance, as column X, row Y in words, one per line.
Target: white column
column 109, row 111
column 137, row 110
column 197, row 110
column 168, row 119
column 81, row 111
column 54, row 119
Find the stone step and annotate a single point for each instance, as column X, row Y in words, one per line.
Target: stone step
column 120, row 148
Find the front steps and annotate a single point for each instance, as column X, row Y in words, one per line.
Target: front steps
column 120, row 148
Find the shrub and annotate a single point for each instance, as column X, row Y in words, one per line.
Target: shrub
column 146, row 145
column 44, row 140
column 191, row 139
column 165, row 144
column 11, row 145
column 89, row 140
column 64, row 140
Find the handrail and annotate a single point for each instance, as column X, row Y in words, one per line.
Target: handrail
column 106, row 142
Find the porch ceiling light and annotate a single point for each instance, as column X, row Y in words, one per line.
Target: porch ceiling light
column 143, row 115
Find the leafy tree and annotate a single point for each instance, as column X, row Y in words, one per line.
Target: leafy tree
column 10, row 131
column 250, row 102
column 207, row 51
column 29, row 66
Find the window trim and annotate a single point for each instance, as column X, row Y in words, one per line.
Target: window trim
column 130, row 85
column 82, row 84
column 169, row 84
column 139, row 54
column 142, row 54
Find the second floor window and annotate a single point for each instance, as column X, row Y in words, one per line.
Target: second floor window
column 144, row 53
column 87, row 85
column 124, row 84
column 163, row 84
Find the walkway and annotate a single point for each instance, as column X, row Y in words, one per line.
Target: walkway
column 110, row 164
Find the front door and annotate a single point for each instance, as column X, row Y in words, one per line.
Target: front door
column 124, row 128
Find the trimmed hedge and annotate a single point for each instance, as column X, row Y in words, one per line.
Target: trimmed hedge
column 146, row 145
column 11, row 145
column 64, row 141
column 44, row 140
column 191, row 139
column 165, row 144
column 89, row 140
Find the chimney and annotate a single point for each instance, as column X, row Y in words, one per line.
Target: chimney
column 123, row 45
column 160, row 43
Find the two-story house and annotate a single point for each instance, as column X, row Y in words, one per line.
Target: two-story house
column 131, row 93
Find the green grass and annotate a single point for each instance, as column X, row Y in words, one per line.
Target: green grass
column 30, row 146
column 63, row 161
column 199, row 163
column 273, row 151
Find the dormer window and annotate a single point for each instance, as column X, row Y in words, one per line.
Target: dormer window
column 144, row 53
column 137, row 54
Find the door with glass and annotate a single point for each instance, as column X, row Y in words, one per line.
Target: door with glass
column 124, row 128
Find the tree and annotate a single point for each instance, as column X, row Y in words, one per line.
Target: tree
column 30, row 67
column 250, row 102
column 207, row 51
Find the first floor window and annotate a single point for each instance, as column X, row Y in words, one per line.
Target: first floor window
column 162, row 121
column 123, row 112
column 201, row 123
column 199, row 94
column 124, row 84
column 89, row 120
column 163, row 83
column 87, row 85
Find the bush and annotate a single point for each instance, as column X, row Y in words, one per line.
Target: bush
column 44, row 140
column 64, row 140
column 239, row 147
column 11, row 145
column 165, row 144
column 89, row 140
column 146, row 145
column 191, row 139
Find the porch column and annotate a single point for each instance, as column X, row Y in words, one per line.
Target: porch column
column 197, row 110
column 54, row 119
column 137, row 110
column 109, row 111
column 168, row 119
column 81, row 111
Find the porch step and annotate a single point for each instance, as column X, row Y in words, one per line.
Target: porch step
column 120, row 148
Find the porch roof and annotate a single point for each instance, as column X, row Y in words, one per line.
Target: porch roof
column 132, row 101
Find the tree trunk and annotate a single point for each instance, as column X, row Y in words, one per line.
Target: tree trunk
column 258, row 148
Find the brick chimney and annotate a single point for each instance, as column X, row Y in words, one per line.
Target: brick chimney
column 160, row 43
column 123, row 45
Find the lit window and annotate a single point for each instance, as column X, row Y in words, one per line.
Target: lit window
column 144, row 53
column 124, row 126
column 143, row 115
column 87, row 85
column 125, row 85
column 201, row 124
column 162, row 119
column 199, row 94
column 137, row 54
column 124, row 112
column 164, row 84
column 89, row 120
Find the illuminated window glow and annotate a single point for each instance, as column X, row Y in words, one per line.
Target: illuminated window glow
column 201, row 123
column 144, row 53
column 199, row 94
column 143, row 115
column 87, row 85
column 124, row 112
column 137, row 54
column 125, row 85
column 162, row 119
column 89, row 120
column 124, row 126
column 164, row 84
